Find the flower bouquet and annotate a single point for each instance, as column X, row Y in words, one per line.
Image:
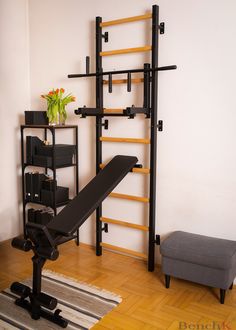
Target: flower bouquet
column 56, row 106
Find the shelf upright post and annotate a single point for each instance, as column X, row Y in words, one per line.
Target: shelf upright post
column 45, row 138
column 99, row 104
column 77, row 174
column 54, row 204
column 23, row 178
column 153, row 144
column 76, row 161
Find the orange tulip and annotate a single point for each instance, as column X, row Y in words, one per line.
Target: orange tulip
column 51, row 93
column 73, row 98
column 62, row 90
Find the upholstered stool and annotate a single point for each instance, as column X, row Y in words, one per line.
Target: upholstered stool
column 201, row 259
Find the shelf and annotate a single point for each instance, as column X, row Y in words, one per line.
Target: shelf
column 40, row 203
column 50, row 167
column 49, row 126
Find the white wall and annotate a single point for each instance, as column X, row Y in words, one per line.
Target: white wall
column 14, row 95
column 196, row 158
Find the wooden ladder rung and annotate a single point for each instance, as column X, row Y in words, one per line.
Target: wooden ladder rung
column 130, row 197
column 127, row 140
column 106, row 110
column 124, row 223
column 124, row 81
column 125, row 51
column 123, row 250
column 142, row 170
column 126, row 20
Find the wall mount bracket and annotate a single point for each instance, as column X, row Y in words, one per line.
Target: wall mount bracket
column 158, row 240
column 160, row 125
column 162, row 28
column 105, row 228
column 105, row 36
column 105, row 124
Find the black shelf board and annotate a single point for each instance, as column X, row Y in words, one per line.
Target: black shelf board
column 50, row 167
column 49, row 126
column 26, row 201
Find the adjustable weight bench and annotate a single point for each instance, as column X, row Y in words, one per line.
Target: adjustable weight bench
column 44, row 240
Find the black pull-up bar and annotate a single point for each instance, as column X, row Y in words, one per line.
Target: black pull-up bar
column 97, row 74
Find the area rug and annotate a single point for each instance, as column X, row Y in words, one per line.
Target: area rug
column 82, row 305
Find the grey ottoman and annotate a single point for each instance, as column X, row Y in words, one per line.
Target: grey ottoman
column 201, row 259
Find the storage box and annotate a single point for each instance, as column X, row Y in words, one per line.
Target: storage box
column 36, row 118
column 49, row 184
column 61, row 194
column 32, row 144
column 61, row 150
column 39, row 154
column 44, row 161
column 41, row 217
column 33, row 186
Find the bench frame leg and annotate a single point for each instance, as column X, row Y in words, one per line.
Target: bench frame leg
column 222, row 296
column 30, row 299
column 167, row 281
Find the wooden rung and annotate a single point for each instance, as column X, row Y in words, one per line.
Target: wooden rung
column 106, row 110
column 123, row 250
column 128, row 140
column 134, row 169
column 124, row 223
column 130, row 197
column 125, row 51
column 126, row 20
column 124, row 81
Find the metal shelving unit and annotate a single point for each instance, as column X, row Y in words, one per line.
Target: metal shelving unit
column 53, row 168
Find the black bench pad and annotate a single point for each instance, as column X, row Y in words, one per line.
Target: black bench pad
column 91, row 196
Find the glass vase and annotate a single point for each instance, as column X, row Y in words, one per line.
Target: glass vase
column 62, row 119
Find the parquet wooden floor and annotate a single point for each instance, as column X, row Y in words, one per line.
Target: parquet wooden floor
column 146, row 303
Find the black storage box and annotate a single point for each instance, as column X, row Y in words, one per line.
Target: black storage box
column 61, row 150
column 33, row 186
column 47, row 161
column 36, row 118
column 49, row 184
column 32, row 144
column 41, row 217
column 62, row 195
column 39, row 154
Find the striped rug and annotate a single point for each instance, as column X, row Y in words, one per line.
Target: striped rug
column 81, row 304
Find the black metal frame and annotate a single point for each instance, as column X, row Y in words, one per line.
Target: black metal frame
column 99, row 104
column 44, row 247
column 24, row 165
column 153, row 144
column 150, row 107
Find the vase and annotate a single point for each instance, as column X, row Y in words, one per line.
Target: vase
column 53, row 123
column 62, row 119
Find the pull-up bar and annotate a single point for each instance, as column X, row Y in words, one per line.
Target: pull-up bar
column 97, row 74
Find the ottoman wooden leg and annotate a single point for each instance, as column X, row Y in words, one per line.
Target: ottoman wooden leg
column 167, row 281
column 231, row 286
column 222, row 296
